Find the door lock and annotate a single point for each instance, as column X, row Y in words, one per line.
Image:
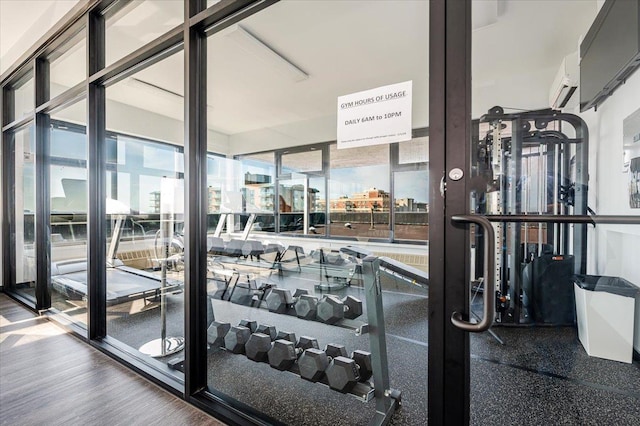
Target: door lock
column 456, row 174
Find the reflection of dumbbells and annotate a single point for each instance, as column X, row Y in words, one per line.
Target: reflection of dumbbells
column 236, row 339
column 233, row 339
column 285, row 351
column 306, row 307
column 331, row 309
column 216, row 333
column 259, row 343
column 280, row 299
column 342, row 373
column 257, row 347
column 250, row 324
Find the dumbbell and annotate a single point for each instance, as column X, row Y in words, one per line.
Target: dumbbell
column 236, row 339
column 285, row 352
column 306, row 307
column 331, row 309
column 269, row 330
column 335, row 350
column 342, row 373
column 250, row 324
column 257, row 347
column 279, row 299
column 216, row 333
column 362, row 359
column 313, row 362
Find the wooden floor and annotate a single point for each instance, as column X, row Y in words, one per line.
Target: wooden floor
column 49, row 377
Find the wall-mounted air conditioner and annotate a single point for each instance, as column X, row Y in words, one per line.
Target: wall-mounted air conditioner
column 565, row 84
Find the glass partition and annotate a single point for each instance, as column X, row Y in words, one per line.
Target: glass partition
column 297, row 329
column 145, row 212
column 139, row 22
column 24, row 97
column 359, row 192
column 411, row 205
column 68, row 204
column 256, row 194
column 24, row 195
column 67, row 66
column 301, row 192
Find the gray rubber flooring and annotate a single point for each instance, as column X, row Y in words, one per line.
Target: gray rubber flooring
column 540, row 376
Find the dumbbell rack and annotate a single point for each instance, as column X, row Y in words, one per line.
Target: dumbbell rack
column 388, row 400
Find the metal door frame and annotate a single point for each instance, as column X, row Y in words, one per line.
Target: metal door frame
column 450, row 133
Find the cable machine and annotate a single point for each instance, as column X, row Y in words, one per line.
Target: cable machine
column 531, row 163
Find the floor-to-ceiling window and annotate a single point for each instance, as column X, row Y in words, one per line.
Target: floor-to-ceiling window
column 68, row 206
column 282, row 303
column 24, row 197
column 145, row 211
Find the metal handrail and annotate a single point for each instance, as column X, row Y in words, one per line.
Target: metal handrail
column 489, row 280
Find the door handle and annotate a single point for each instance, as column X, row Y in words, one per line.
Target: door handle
column 489, row 280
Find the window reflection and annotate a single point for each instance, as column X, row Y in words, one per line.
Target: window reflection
column 25, row 201
column 68, row 204
column 359, row 192
column 67, row 65
column 138, row 23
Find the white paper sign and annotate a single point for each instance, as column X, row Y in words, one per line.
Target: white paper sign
column 376, row 116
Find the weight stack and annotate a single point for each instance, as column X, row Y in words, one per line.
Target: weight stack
column 553, row 299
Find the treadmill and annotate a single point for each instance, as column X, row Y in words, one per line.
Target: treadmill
column 124, row 283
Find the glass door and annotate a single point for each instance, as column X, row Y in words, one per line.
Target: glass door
column 550, row 190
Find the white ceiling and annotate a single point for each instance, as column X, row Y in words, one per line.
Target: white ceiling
column 23, row 22
column 347, row 47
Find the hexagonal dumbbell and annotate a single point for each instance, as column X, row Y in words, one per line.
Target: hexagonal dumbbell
column 306, row 307
column 299, row 292
column 269, row 330
column 307, row 342
column 216, row 332
column 352, row 307
column 284, row 352
column 335, row 350
column 250, row 324
column 278, row 300
column 312, row 364
column 363, row 360
column 330, row 310
column 258, row 346
column 236, row 338
column 342, row 374
column 286, row 335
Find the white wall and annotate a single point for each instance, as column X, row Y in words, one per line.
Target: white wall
column 613, row 249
